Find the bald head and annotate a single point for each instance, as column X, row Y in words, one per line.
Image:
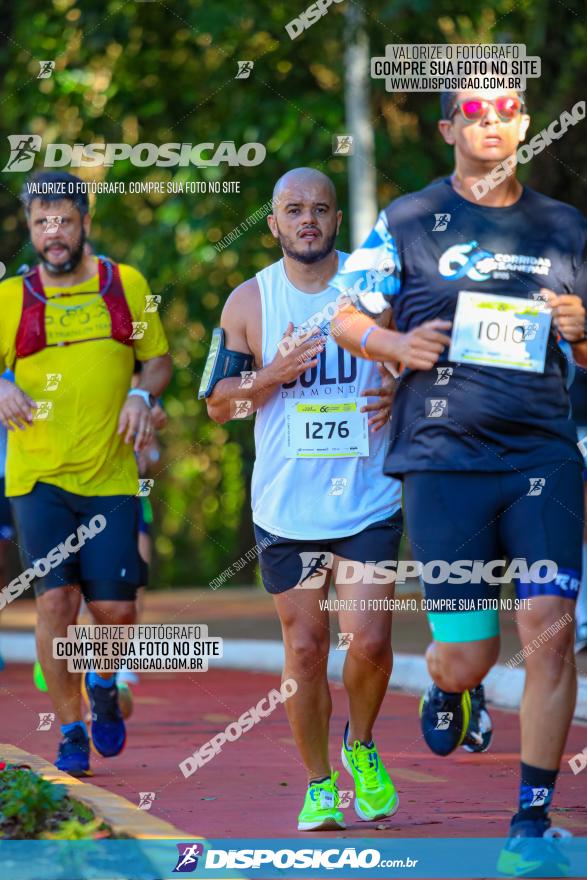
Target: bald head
column 305, row 219
column 303, row 179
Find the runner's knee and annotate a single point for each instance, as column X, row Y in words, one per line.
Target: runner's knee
column 458, row 680
column 547, row 629
column 455, row 668
column 307, row 652
column 58, row 607
column 113, row 613
column 551, row 655
column 374, row 646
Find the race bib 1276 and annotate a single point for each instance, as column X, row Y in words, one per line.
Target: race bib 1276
column 324, row 429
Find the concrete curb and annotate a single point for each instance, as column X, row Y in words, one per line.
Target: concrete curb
column 18, row 647
column 503, row 686
column 120, row 814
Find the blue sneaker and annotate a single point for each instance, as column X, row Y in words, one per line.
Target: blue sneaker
column 2, row 663
column 107, row 732
column 533, row 850
column 444, row 719
column 73, row 756
column 480, row 730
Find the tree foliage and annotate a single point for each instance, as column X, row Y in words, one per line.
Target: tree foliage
column 130, row 71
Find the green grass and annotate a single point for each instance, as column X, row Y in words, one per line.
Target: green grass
column 33, row 808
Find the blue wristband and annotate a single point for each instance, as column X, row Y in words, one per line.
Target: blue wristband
column 364, row 339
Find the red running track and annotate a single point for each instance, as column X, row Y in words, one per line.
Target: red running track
column 254, row 787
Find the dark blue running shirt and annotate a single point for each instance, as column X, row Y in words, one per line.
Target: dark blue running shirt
column 579, row 396
column 424, row 249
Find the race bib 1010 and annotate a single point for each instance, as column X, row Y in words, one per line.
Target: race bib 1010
column 500, row 331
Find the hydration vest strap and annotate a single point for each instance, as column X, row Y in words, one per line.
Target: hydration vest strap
column 32, row 337
column 115, row 300
column 32, row 334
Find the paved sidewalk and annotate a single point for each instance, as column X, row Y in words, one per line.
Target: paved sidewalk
column 249, row 613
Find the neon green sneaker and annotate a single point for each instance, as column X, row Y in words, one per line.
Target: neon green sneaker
column 39, row 678
column 320, row 812
column 375, row 794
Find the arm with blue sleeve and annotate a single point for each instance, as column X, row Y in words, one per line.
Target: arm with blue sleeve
column 370, row 280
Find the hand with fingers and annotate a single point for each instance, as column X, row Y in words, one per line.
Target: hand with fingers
column 299, row 354
column 568, row 314
column 136, row 422
column 420, row 348
column 16, row 407
column 381, row 409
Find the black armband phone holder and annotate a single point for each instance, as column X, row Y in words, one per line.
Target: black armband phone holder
column 222, row 363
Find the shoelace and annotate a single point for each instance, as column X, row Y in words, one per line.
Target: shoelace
column 71, row 744
column 367, row 767
column 105, row 703
column 330, row 787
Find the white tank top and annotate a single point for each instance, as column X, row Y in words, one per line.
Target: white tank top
column 336, row 494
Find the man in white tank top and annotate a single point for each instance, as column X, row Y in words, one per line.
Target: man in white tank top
column 321, row 503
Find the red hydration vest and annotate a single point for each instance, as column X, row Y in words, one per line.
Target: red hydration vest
column 31, row 336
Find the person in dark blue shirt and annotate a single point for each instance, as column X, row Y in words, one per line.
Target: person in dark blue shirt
column 483, row 280
column 578, row 393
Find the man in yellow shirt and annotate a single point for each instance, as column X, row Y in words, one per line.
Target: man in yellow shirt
column 71, row 329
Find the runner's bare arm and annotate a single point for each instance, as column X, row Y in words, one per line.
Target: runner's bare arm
column 156, row 374
column 136, row 422
column 16, row 407
column 241, row 322
column 384, row 393
column 419, row 349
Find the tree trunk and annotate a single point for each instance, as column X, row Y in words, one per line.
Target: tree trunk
column 362, row 175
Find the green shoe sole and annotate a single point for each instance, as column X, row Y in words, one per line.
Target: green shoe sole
column 329, row 823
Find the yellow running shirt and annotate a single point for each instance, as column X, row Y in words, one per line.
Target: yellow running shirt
column 81, row 389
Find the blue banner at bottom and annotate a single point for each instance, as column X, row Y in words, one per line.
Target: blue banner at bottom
column 316, row 857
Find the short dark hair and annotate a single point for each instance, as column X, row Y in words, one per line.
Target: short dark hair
column 72, row 188
column 448, row 101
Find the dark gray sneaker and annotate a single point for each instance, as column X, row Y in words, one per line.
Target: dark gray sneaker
column 480, row 729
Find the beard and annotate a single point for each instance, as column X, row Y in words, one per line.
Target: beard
column 306, row 258
column 75, row 255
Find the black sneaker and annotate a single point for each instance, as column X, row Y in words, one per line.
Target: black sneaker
column 480, row 730
column 73, row 756
column 444, row 719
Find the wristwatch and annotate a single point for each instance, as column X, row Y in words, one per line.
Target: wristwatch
column 146, row 395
